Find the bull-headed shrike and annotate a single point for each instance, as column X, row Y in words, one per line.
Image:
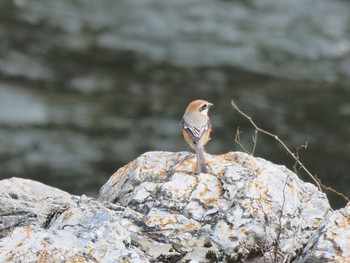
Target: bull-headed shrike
column 196, row 129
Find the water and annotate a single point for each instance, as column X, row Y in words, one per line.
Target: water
column 80, row 97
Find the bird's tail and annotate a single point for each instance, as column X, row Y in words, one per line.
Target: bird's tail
column 200, row 166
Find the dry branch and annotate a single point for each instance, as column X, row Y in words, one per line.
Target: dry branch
column 294, row 156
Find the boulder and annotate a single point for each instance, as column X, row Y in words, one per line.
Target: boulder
column 243, row 208
column 40, row 223
column 155, row 209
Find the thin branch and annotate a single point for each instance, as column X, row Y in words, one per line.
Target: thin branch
column 255, row 141
column 279, row 140
column 238, row 140
column 333, row 190
column 296, row 158
column 295, row 166
column 278, row 237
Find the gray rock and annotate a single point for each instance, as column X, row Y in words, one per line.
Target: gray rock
column 43, row 224
column 29, row 203
column 245, row 207
column 331, row 241
column 155, row 209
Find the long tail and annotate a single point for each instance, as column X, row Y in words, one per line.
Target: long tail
column 200, row 166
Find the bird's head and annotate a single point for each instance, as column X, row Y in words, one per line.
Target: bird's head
column 201, row 106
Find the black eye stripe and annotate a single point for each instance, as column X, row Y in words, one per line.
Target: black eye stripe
column 203, row 107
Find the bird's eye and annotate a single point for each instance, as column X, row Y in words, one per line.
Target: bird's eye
column 203, row 107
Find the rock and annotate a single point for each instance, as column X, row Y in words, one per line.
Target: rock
column 245, row 207
column 29, row 203
column 43, row 224
column 331, row 241
column 155, row 209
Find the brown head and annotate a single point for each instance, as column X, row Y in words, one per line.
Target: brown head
column 200, row 106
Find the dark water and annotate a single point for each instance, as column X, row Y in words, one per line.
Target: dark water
column 72, row 118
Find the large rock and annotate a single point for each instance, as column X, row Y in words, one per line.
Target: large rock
column 245, row 207
column 43, row 224
column 155, row 209
column 29, row 203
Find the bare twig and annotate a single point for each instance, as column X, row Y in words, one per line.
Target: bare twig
column 295, row 166
column 294, row 156
column 238, row 140
column 287, row 258
column 255, row 141
column 332, row 190
column 279, row 140
column 278, row 237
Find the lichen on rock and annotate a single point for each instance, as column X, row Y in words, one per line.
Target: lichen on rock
column 331, row 241
column 39, row 223
column 242, row 204
column 155, row 209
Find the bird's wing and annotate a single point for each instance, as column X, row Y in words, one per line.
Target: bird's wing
column 195, row 132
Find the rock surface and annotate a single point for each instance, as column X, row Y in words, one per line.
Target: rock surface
column 43, row 224
column 243, row 207
column 331, row 241
column 156, row 210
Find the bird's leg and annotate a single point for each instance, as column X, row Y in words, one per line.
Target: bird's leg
column 200, row 165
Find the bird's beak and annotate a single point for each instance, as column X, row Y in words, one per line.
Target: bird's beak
column 210, row 105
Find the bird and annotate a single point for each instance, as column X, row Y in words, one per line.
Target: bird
column 196, row 129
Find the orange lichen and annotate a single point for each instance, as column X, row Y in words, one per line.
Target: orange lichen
column 10, row 257
column 161, row 221
column 242, row 229
column 344, row 223
column 43, row 256
column 189, row 227
column 43, row 243
column 203, row 193
column 79, row 259
column 342, row 259
column 68, row 214
column 27, row 230
column 121, row 172
column 162, row 172
column 164, row 223
column 188, row 163
column 291, row 187
column 128, row 225
column 338, row 252
column 211, row 200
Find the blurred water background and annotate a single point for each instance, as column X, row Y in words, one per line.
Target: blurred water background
column 87, row 86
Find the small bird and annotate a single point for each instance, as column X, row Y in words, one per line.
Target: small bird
column 196, row 129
